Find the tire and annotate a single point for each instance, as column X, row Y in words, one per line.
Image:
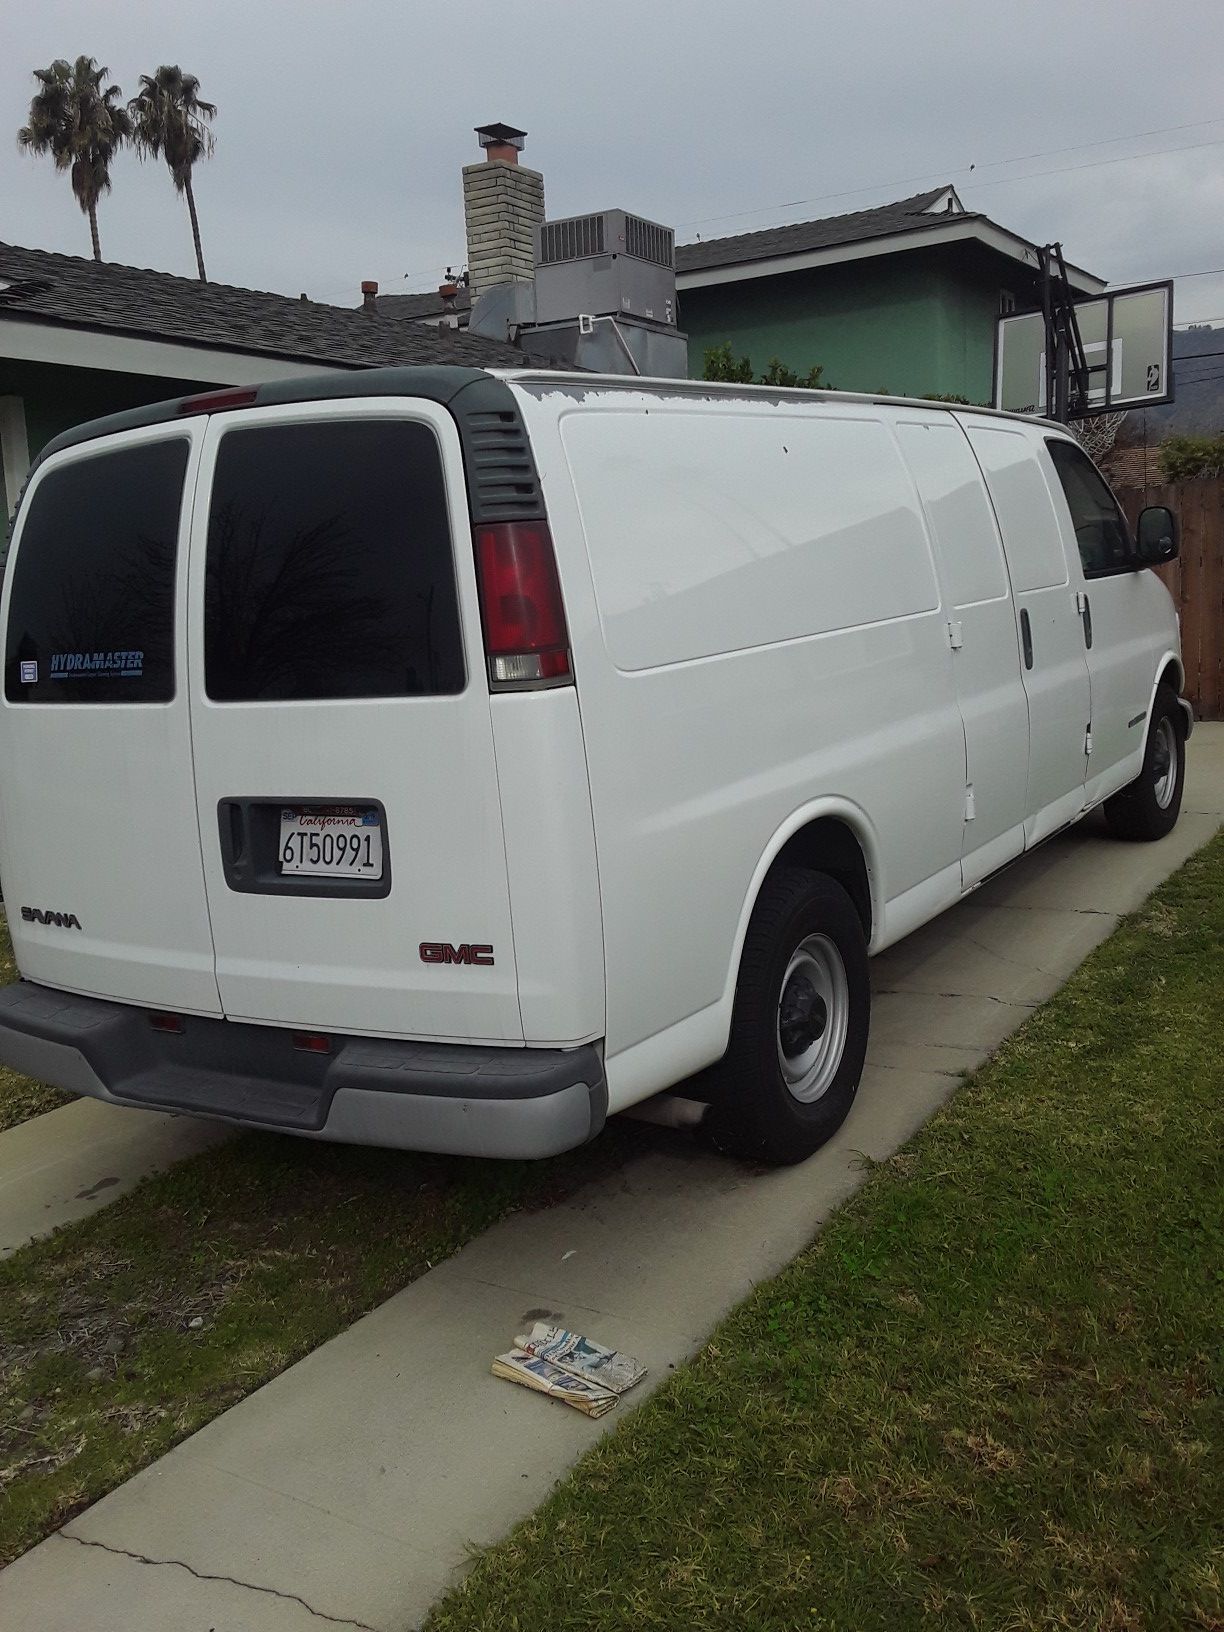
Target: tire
column 799, row 1025
column 1148, row 807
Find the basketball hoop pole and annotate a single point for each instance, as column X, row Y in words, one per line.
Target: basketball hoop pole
column 1066, row 360
column 1047, row 317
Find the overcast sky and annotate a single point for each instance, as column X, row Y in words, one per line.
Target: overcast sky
column 343, row 124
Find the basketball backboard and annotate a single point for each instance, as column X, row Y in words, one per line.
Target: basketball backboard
column 1127, row 338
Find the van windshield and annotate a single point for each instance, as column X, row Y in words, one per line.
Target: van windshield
column 329, row 571
column 91, row 617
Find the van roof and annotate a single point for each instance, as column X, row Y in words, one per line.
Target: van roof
column 573, row 382
column 444, row 384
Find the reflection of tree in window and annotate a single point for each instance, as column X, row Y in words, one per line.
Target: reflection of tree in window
column 95, row 575
column 329, row 570
column 126, row 604
column 277, row 609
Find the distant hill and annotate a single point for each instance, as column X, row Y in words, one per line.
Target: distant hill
column 1198, row 391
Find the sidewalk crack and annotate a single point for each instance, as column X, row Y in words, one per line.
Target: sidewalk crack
column 979, row 997
column 230, row 1580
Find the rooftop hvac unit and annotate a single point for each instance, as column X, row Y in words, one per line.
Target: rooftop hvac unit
column 609, row 265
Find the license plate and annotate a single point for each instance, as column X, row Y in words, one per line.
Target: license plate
column 331, row 841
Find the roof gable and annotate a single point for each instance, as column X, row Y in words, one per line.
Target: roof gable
column 905, row 214
column 936, row 216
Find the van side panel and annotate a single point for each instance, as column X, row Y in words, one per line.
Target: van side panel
column 746, row 679
column 550, row 857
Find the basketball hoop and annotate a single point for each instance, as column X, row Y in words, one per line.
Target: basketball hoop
column 1123, row 344
column 1097, row 435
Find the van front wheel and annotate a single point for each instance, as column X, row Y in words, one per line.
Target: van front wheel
column 799, row 1025
column 1149, row 807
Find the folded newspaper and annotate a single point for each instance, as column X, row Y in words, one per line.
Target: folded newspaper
column 575, row 1353
column 569, row 1367
column 520, row 1367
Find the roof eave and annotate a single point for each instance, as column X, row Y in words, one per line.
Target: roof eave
column 957, row 229
column 135, row 351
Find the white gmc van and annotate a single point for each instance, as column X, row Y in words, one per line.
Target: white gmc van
column 431, row 758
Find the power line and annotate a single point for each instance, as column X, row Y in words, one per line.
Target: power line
column 990, row 164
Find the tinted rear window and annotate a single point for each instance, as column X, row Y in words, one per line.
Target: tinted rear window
column 329, row 565
column 91, row 619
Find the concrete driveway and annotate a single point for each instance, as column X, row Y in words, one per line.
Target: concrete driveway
column 347, row 1490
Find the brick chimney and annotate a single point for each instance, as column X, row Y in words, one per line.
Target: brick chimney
column 369, row 295
column 503, row 204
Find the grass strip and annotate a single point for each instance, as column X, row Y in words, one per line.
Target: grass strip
column 20, row 1097
column 125, row 1332
column 987, row 1396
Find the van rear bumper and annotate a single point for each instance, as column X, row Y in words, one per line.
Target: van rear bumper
column 451, row 1098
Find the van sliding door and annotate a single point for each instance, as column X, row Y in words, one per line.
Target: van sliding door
column 982, row 632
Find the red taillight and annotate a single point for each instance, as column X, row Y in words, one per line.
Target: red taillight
column 312, row 1042
column 520, row 601
column 214, row 402
column 167, row 1022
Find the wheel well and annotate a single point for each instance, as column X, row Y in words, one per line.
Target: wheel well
column 1171, row 676
column 827, row 845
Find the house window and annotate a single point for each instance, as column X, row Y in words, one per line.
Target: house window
column 14, row 451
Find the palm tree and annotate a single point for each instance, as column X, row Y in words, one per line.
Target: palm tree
column 81, row 125
column 171, row 122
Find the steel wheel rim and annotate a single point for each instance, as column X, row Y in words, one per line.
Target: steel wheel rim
column 1164, row 763
column 813, row 1018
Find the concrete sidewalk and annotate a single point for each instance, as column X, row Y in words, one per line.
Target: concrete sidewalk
column 58, row 1167
column 346, row 1491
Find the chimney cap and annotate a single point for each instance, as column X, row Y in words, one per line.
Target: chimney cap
column 368, row 286
column 500, row 136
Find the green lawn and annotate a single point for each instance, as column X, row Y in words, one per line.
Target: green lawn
column 127, row 1331
column 987, row 1396
column 20, row 1098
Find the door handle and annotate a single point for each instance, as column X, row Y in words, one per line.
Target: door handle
column 232, row 822
column 1086, row 615
column 1026, row 637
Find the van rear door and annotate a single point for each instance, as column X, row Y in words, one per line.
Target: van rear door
column 99, row 843
column 349, row 813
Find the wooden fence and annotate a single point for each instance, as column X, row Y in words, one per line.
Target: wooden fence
column 1196, row 582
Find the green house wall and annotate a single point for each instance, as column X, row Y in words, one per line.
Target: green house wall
column 57, row 397
column 912, row 323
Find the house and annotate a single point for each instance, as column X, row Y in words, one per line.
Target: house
column 901, row 298
column 79, row 339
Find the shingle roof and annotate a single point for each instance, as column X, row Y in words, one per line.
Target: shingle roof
column 905, row 215
column 429, row 304
column 156, row 305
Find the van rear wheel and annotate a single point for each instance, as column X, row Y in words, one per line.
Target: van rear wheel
column 799, row 1025
column 1148, row 807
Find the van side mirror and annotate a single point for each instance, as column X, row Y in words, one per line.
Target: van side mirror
column 1156, row 536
